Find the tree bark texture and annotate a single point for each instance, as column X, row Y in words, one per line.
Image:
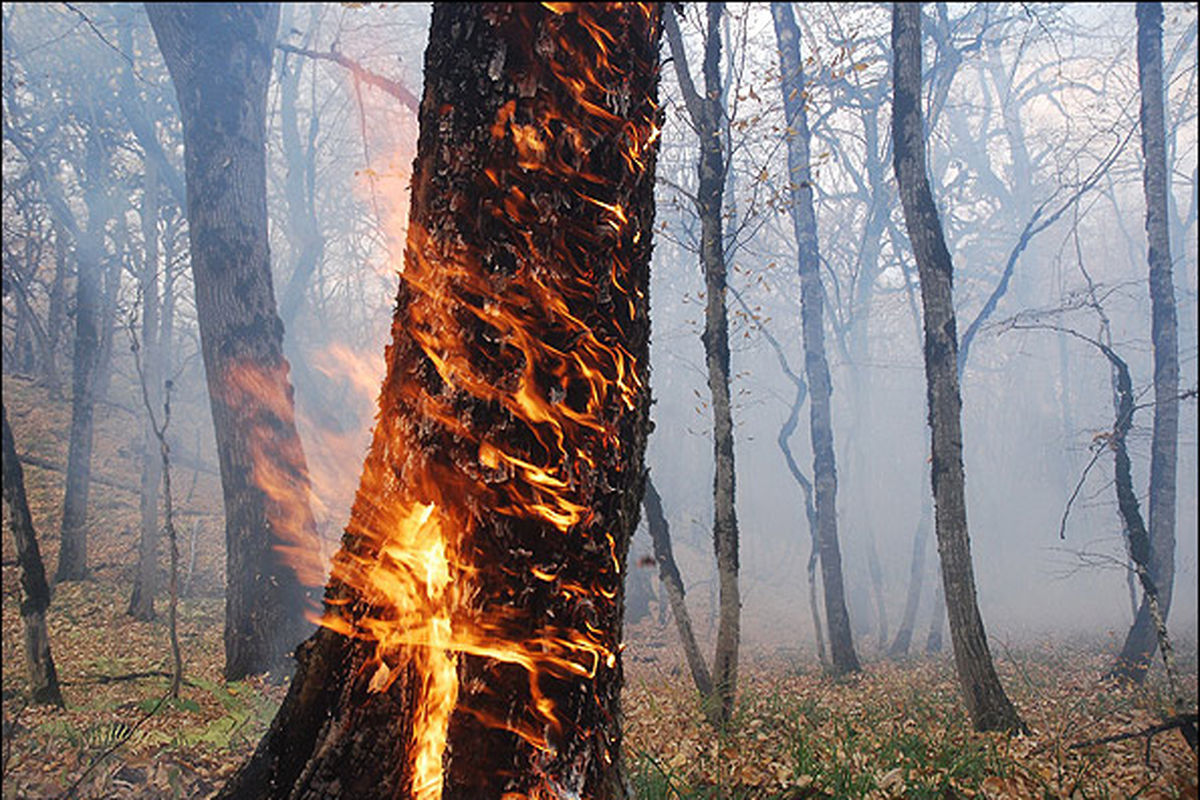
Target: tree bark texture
column 989, row 706
column 35, row 592
column 668, row 572
column 219, row 57
column 512, row 426
column 812, row 317
column 1142, row 639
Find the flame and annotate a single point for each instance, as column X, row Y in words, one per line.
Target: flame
column 512, row 333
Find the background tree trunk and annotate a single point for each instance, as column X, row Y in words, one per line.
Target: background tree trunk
column 937, row 621
column 522, row 282
column 707, row 119
column 989, row 706
column 219, row 57
column 145, row 580
column 1142, row 638
column 35, row 599
column 841, row 642
column 672, row 582
column 916, row 578
column 89, row 302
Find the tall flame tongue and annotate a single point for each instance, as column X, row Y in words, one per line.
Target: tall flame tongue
column 508, row 393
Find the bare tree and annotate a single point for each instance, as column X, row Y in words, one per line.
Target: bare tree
column 43, row 679
column 1142, row 639
column 706, row 115
column 841, row 643
column 219, row 57
column 989, row 706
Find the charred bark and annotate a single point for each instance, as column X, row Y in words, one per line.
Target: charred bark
column 812, row 315
column 989, row 706
column 1142, row 639
column 526, row 278
column 35, row 592
column 219, row 58
column 668, row 573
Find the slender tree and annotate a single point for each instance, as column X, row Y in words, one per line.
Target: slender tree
column 1142, row 639
column 706, row 114
column 35, row 592
column 219, row 57
column 668, row 571
column 141, row 600
column 473, row 618
column 989, row 706
column 812, row 315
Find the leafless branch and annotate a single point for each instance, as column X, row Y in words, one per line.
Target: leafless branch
column 360, row 73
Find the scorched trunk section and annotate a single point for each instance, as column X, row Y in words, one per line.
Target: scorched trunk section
column 470, row 646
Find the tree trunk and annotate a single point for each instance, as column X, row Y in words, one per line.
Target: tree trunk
column 937, row 621
column 812, row 315
column 56, row 313
column 1140, row 550
column 668, row 573
column 916, row 577
column 474, row 612
column 305, row 241
column 145, row 579
column 219, row 57
column 706, row 115
column 43, row 680
column 989, row 706
column 114, row 266
column 89, row 249
column 1142, row 639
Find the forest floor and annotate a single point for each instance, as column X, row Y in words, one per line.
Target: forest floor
column 896, row 730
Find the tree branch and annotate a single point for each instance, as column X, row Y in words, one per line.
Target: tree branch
column 394, row 88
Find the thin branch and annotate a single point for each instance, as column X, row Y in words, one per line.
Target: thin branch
column 687, row 87
column 108, row 43
column 1062, row 526
column 361, row 73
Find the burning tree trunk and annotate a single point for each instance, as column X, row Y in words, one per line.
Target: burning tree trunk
column 989, row 706
column 35, row 599
column 1142, row 638
column 706, row 115
column 219, row 57
column 816, row 368
column 470, row 641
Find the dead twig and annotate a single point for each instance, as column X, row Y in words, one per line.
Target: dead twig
column 1186, row 723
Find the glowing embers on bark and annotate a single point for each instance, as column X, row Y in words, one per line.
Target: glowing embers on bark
column 475, row 531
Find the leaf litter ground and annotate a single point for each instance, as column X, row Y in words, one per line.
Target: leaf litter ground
column 896, row 730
